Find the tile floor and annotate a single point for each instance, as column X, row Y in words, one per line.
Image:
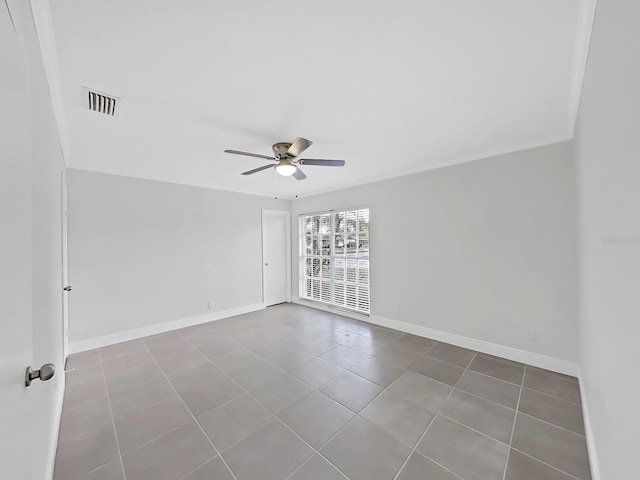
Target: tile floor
column 295, row 393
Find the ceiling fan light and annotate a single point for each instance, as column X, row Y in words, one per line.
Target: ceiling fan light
column 286, row 169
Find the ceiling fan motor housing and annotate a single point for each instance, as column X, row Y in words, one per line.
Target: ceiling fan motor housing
column 280, row 150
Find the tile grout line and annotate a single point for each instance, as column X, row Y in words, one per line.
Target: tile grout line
column 522, row 390
column 474, row 430
column 453, row 387
column 486, row 399
column 496, row 378
column 316, row 451
column 545, row 463
column 439, row 408
column 276, row 416
column 262, row 357
column 192, row 416
column 156, row 438
column 208, row 360
column 247, row 392
column 164, row 377
column 426, row 355
column 113, row 421
column 456, row 421
column 152, row 405
column 551, row 424
column 555, row 397
column 431, row 423
column 561, row 376
column 513, row 428
column 355, row 414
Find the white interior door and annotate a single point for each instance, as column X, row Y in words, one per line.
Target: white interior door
column 276, row 248
column 30, row 303
column 16, row 328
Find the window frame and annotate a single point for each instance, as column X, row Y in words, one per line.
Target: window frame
column 311, row 251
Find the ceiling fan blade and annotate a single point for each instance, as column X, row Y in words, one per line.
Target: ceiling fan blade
column 326, row 163
column 299, row 146
column 249, row 172
column 299, row 175
column 238, row 152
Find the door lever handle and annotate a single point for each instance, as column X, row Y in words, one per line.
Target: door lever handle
column 46, row 372
column 67, row 288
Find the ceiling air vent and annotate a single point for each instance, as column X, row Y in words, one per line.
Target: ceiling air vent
column 101, row 103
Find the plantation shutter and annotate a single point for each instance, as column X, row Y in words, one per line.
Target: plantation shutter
column 334, row 258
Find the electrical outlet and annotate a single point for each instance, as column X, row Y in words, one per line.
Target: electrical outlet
column 210, row 304
column 531, row 334
column 396, row 306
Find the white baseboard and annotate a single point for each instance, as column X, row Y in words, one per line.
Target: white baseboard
column 530, row 358
column 53, row 445
column 93, row 343
column 591, row 446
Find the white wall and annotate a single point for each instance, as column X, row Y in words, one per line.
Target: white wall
column 484, row 249
column 143, row 252
column 608, row 172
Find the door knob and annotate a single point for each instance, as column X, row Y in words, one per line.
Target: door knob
column 67, row 288
column 46, row 372
column 266, row 264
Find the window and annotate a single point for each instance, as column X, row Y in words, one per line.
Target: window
column 334, row 258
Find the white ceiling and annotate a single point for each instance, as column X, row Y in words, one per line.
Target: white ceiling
column 392, row 87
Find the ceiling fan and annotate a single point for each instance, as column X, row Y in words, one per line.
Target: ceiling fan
column 285, row 155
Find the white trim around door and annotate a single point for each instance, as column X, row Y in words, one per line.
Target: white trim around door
column 287, row 247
